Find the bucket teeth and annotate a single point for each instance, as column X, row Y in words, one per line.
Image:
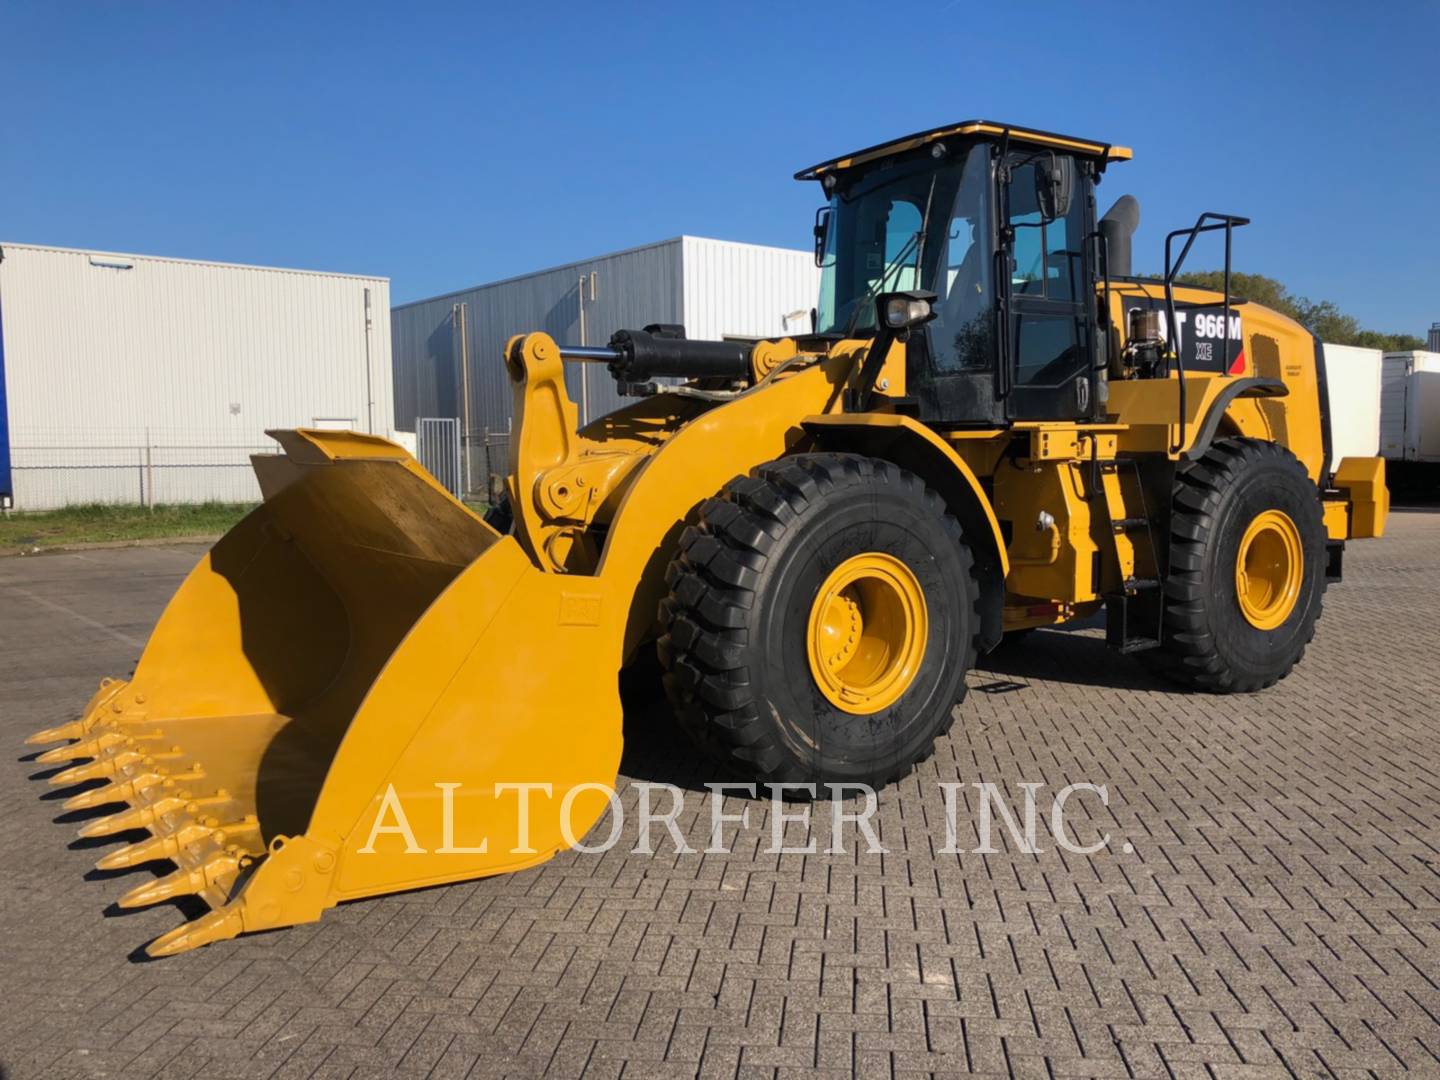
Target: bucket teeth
column 157, row 847
column 110, row 793
column 122, row 791
column 74, row 730
column 102, row 768
column 90, row 747
column 140, row 817
column 96, row 713
column 213, row 926
column 61, row 754
column 220, row 869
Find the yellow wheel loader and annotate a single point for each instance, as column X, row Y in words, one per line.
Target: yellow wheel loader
column 993, row 426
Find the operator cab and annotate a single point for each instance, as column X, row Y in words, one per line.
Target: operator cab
column 999, row 224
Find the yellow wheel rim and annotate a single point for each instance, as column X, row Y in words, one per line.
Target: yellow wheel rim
column 1269, row 568
column 867, row 633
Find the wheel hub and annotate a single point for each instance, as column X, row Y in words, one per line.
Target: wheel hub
column 1269, row 569
column 867, row 632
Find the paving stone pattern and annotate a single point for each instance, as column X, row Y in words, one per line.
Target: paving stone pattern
column 1275, row 912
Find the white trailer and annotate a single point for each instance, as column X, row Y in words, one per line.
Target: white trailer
column 1410, row 407
column 1353, row 380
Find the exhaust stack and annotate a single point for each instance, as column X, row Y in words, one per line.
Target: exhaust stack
column 1118, row 228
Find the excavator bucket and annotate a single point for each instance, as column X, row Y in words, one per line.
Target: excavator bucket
column 361, row 688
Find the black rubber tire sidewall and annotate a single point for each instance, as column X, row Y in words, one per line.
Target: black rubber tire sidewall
column 843, row 745
column 1209, row 644
column 735, row 624
column 1254, row 654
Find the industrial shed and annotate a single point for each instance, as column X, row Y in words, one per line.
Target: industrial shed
column 131, row 378
column 451, row 344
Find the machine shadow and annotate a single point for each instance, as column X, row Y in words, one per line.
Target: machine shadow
column 298, row 670
column 1064, row 654
column 656, row 750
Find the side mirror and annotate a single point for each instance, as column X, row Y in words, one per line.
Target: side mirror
column 1054, row 186
column 822, row 230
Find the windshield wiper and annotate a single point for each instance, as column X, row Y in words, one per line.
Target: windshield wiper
column 890, row 270
column 917, row 242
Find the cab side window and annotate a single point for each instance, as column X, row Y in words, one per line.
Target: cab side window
column 1048, row 254
column 1027, row 274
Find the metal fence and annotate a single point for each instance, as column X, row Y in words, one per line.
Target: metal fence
column 470, row 467
column 437, row 447
column 487, row 460
column 52, row 470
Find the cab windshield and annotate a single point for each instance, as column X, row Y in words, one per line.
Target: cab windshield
column 917, row 223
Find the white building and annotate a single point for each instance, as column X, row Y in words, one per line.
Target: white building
column 716, row 289
column 130, row 378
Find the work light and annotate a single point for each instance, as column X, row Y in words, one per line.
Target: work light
column 902, row 310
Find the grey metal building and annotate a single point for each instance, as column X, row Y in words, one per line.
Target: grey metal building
column 447, row 349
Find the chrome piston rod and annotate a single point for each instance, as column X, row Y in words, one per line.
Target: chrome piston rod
column 589, row 354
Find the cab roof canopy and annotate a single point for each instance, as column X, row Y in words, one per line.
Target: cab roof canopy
column 1100, row 151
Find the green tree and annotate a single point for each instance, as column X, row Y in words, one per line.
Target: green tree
column 1323, row 318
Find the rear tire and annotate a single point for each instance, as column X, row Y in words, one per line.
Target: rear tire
column 1240, row 489
column 739, row 625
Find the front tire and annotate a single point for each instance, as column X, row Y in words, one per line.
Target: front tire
column 1247, row 569
column 821, row 618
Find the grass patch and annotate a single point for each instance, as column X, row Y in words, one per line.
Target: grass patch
column 105, row 521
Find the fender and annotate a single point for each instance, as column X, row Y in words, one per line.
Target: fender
column 912, row 445
column 753, row 428
column 1238, row 388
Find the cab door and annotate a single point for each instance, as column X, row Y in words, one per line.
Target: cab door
column 952, row 369
column 1048, row 359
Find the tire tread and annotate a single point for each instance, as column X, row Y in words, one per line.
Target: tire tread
column 1189, row 654
column 713, row 578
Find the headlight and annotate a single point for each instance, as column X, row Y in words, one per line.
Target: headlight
column 903, row 310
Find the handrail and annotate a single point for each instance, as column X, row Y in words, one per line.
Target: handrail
column 1102, row 315
column 1228, row 222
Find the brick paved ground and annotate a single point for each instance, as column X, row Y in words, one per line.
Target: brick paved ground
column 1276, row 916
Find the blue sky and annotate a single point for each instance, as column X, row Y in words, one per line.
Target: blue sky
column 444, row 146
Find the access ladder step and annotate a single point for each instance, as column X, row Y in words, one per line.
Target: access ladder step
column 1134, row 585
column 1132, row 624
column 1122, row 524
column 1137, row 644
